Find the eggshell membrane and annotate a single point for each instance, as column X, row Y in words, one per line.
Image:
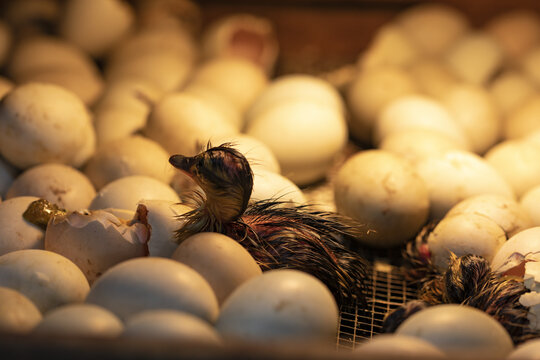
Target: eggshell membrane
column 280, row 306
column 524, row 120
column 222, row 261
column 459, row 331
column 15, row 232
column 474, row 110
column 525, row 245
column 518, row 162
column 80, row 320
column 163, row 218
column 294, row 87
column 305, row 137
column 153, row 283
column 270, row 185
column 48, row 279
column 433, row 28
column 45, row 123
column 417, row 112
column 530, row 203
column 17, row 313
column 510, row 90
column 60, row 184
column 516, row 31
column 456, row 175
column 433, row 77
column 183, row 123
column 258, row 154
column 389, row 46
column 506, row 212
column 463, row 234
column 398, row 346
column 475, row 57
column 370, row 91
column 134, row 155
column 126, row 192
column 95, row 241
column 96, row 26
column 417, row 144
column 171, row 325
column 527, row 350
column 382, row 191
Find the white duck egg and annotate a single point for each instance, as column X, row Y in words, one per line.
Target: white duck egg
column 60, row 184
column 528, row 350
column 171, row 325
column 382, row 191
column 463, row 234
column 530, row 202
column 153, row 283
column 127, row 192
column 280, row 306
column 271, row 185
column 523, row 120
column 15, row 232
column 396, row 346
column 459, row 331
column 80, row 320
column 17, row 313
column 221, row 260
column 46, row 278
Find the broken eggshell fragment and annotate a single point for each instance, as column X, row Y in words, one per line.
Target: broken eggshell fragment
column 96, row 240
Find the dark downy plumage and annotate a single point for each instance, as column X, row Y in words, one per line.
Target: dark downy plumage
column 276, row 234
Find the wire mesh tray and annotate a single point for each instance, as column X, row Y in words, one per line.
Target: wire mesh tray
column 388, row 290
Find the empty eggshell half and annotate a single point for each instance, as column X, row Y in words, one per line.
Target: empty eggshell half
column 62, row 185
column 221, row 260
column 45, row 123
column 80, row 320
column 134, row 155
column 127, row 192
column 520, row 248
column 462, row 234
column 170, row 325
column 48, row 279
column 151, row 283
column 96, row 240
column 15, row 232
column 17, row 313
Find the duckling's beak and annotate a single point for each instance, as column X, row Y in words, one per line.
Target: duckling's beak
column 181, row 162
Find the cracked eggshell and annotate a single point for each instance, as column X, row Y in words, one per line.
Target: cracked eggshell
column 506, row 212
column 133, row 155
column 171, row 325
column 17, row 313
column 15, row 232
column 153, row 283
column 417, row 112
column 456, row 175
column 45, row 123
column 46, row 278
column 163, row 219
column 462, row 234
column 523, row 246
column 459, row 331
column 221, row 260
column 382, row 191
column 280, row 306
column 530, row 202
column 62, row 185
column 182, row 123
column 304, row 135
column 271, row 185
column 518, row 162
column 127, row 192
column 96, row 240
column 80, row 320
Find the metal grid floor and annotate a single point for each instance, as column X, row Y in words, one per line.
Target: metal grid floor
column 388, row 291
